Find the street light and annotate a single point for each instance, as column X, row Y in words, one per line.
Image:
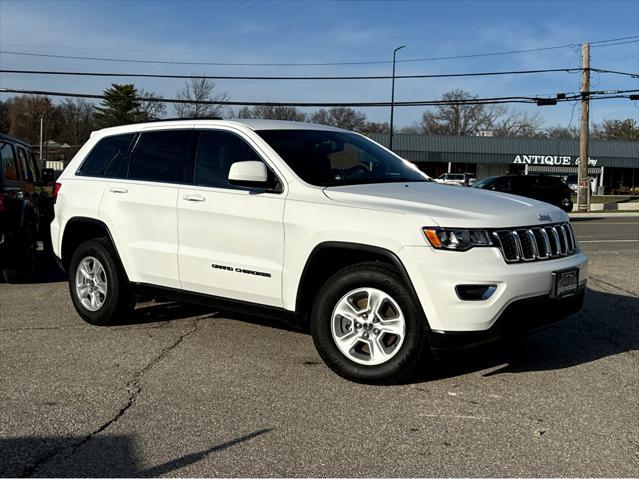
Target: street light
column 390, row 143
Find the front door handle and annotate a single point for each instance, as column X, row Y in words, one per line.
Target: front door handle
column 117, row 189
column 194, row 198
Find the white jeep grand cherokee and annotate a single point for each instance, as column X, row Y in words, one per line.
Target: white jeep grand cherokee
column 284, row 218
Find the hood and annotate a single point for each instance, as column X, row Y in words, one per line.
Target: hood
column 449, row 206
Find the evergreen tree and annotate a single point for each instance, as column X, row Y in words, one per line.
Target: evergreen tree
column 119, row 107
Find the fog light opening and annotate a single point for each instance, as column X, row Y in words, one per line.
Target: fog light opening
column 475, row 292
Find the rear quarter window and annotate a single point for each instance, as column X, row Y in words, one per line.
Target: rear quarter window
column 106, row 157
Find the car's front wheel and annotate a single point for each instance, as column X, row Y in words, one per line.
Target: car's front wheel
column 367, row 326
column 566, row 205
column 97, row 283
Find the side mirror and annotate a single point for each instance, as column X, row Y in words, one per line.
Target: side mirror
column 48, row 176
column 248, row 173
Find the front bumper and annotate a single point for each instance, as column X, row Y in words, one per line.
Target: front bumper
column 519, row 318
column 436, row 273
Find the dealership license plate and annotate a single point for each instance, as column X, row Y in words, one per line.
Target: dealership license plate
column 565, row 283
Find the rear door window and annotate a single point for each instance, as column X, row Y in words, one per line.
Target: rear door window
column 108, row 157
column 520, row 183
column 158, row 155
column 501, row 184
column 8, row 165
column 549, row 181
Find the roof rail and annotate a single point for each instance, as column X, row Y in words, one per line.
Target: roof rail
column 183, row 118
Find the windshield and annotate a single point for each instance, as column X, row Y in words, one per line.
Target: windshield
column 334, row 158
column 484, row 182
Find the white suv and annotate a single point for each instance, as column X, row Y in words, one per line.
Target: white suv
column 287, row 219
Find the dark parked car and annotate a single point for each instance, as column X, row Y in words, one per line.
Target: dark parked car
column 550, row 189
column 26, row 209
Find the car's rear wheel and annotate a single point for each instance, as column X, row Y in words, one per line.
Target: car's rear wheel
column 23, row 268
column 367, row 326
column 97, row 283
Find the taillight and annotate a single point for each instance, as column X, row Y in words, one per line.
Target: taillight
column 56, row 190
column 3, row 202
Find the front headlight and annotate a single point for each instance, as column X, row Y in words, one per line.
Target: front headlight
column 457, row 239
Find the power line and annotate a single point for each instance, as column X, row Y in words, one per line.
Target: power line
column 602, row 70
column 473, row 101
column 470, row 101
column 244, row 77
column 617, row 43
column 66, row 47
column 600, row 43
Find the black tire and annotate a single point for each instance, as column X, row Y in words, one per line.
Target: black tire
column 566, row 205
column 412, row 354
column 22, row 259
column 23, row 267
column 22, row 274
column 119, row 301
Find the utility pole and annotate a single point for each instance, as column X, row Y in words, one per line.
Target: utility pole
column 583, row 191
column 41, row 139
column 390, row 143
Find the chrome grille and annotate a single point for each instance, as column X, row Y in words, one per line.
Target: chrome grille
column 536, row 243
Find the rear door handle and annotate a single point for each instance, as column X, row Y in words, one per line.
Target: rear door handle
column 117, row 189
column 194, row 198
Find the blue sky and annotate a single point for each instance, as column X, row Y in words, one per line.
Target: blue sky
column 328, row 31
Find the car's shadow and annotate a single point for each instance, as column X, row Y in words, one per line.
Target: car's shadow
column 160, row 310
column 607, row 326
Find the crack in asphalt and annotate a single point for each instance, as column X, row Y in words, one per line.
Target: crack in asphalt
column 593, row 278
column 158, row 325
column 133, row 387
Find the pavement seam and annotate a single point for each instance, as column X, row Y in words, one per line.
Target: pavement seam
column 133, row 388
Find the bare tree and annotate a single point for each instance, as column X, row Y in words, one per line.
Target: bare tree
column 271, row 112
column 198, row 91
column 561, row 132
column 459, row 118
column 340, row 117
column 517, row 124
column 413, row 129
column 76, row 121
column 376, row 127
column 5, row 123
column 151, row 109
column 244, row 112
column 25, row 112
column 465, row 118
column 627, row 129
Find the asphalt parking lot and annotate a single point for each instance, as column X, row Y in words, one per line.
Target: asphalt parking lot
column 185, row 391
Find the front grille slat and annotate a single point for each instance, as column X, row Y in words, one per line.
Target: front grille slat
column 561, row 240
column 533, row 244
column 543, row 244
column 537, row 243
column 554, row 241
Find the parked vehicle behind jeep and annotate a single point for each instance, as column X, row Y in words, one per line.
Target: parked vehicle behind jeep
column 26, row 209
column 457, row 179
column 312, row 223
column 550, row 189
